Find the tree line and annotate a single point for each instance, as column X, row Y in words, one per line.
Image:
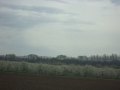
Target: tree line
column 98, row 60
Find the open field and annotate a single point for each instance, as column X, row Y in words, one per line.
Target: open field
column 15, row 81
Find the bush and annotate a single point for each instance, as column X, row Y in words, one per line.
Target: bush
column 66, row 70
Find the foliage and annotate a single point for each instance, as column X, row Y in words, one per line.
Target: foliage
column 112, row 60
column 65, row 70
column 10, row 56
column 61, row 57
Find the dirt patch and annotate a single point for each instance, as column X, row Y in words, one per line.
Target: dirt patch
column 14, row 81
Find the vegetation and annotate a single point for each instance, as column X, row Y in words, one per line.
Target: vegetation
column 104, row 66
column 65, row 70
column 112, row 61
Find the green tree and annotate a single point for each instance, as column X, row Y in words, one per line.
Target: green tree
column 61, row 57
column 82, row 57
column 32, row 56
column 10, row 56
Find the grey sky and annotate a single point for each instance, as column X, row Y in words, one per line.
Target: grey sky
column 117, row 2
column 54, row 27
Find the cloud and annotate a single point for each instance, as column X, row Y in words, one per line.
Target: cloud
column 16, row 20
column 78, row 22
column 90, row 0
column 53, row 27
column 33, row 8
column 117, row 2
column 61, row 1
column 63, row 40
column 13, row 41
column 23, row 16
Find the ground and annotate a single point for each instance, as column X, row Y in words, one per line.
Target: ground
column 17, row 81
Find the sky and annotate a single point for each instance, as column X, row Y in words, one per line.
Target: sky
column 55, row 27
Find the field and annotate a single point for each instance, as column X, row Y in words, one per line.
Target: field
column 17, row 81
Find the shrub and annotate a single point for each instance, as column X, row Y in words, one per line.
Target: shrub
column 66, row 70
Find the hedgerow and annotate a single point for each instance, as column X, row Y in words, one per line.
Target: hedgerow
column 64, row 70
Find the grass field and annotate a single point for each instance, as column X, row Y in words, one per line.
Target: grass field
column 18, row 81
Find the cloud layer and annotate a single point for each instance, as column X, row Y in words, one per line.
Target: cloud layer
column 53, row 27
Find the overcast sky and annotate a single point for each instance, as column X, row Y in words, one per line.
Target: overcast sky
column 54, row 27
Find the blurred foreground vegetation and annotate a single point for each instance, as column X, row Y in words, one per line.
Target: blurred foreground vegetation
column 112, row 61
column 61, row 69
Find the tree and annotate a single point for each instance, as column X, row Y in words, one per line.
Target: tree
column 2, row 57
column 32, row 57
column 10, row 56
column 61, row 57
column 82, row 58
column 104, row 57
column 114, row 57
